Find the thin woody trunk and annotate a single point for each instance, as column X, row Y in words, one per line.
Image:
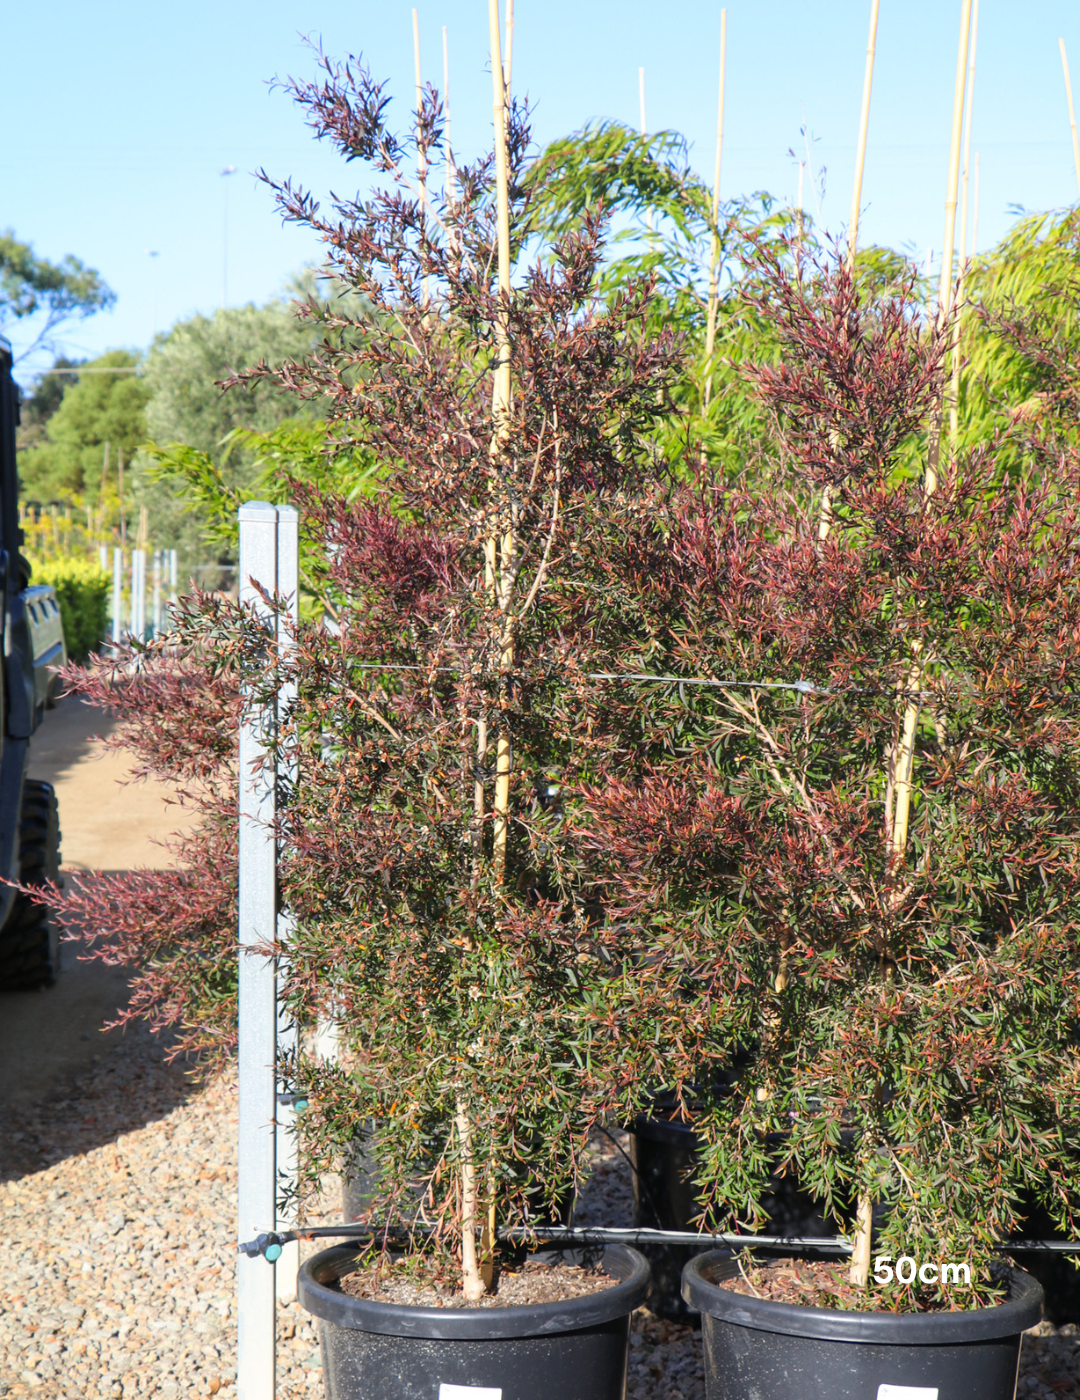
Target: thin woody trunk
column 472, row 1282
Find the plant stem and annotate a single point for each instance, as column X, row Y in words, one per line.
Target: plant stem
column 902, row 767
column 471, row 1282
column 714, row 251
column 859, row 1272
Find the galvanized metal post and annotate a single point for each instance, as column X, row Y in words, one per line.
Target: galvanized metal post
column 257, row 993
column 138, row 594
column 288, row 586
column 156, row 608
column 117, row 595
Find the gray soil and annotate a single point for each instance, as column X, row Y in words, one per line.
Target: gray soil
column 534, row 1281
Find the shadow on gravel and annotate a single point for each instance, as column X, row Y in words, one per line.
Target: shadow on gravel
column 126, row 1084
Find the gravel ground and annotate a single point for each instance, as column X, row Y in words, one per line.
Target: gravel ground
column 117, row 1252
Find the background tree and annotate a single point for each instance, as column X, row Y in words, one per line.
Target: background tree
column 99, row 408
column 44, row 296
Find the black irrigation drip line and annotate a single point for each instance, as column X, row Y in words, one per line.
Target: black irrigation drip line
column 270, row 1244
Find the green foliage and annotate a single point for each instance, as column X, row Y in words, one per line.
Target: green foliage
column 47, row 395
column 82, row 590
column 1033, row 273
column 663, row 211
column 290, row 455
column 52, row 293
column 97, row 409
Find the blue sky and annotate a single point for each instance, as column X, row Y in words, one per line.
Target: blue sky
column 119, row 118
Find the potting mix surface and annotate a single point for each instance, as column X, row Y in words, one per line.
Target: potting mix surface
column 409, row 1282
column 824, row 1283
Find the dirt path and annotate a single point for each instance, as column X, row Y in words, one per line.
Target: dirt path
column 49, row 1037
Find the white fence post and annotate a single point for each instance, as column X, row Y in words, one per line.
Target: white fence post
column 117, row 595
column 138, row 594
column 156, row 613
column 172, row 575
column 257, row 995
column 288, row 581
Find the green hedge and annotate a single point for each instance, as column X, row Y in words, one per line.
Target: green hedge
column 82, row 590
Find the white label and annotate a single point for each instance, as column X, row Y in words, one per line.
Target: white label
column 907, row 1392
column 493, row 1392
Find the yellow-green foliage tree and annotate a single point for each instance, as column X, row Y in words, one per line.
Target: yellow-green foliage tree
column 106, row 406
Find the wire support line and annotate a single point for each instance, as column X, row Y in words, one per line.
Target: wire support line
column 584, row 1235
column 800, row 687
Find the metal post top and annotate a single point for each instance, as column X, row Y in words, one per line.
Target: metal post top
column 257, row 510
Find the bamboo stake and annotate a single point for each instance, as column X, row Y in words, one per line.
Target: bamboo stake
column 825, row 518
column 1072, row 114
column 501, row 397
column 644, row 131
column 903, row 754
column 104, row 478
column 450, row 182
column 954, row 386
column 714, row 250
column 864, row 126
column 421, row 152
column 975, row 210
column 472, row 1283
column 509, row 46
column 120, row 495
column 945, row 284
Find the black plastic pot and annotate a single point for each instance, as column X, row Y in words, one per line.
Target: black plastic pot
column 664, row 1154
column 572, row 1350
column 756, row 1349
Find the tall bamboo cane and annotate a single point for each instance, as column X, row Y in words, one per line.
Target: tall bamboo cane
column 644, row 131
column 714, row 247
column 825, row 518
column 954, row 349
column 946, row 281
column 499, row 565
column 864, row 127
column 421, row 151
column 975, row 210
column 1072, row 114
column 500, row 407
column 450, row 191
column 898, row 790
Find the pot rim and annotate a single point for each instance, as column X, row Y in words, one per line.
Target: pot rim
column 477, row 1324
column 1021, row 1310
